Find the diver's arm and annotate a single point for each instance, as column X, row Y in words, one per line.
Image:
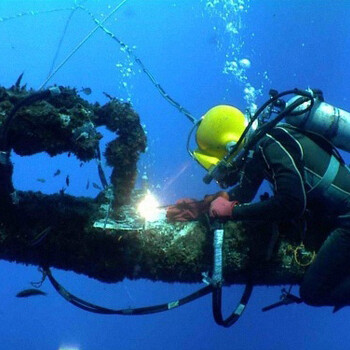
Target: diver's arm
column 289, row 200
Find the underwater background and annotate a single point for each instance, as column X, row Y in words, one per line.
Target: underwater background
column 203, row 53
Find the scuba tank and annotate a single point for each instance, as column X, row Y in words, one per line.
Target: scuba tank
column 324, row 119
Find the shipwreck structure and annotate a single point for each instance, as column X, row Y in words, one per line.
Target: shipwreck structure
column 102, row 237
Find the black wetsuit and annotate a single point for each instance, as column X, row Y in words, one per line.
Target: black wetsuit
column 294, row 164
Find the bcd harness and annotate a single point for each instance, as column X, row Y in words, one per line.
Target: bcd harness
column 327, row 178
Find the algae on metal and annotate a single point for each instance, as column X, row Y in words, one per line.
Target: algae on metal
column 84, row 235
column 67, row 123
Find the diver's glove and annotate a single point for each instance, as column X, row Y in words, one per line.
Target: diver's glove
column 188, row 209
column 222, row 208
column 210, row 197
column 185, row 209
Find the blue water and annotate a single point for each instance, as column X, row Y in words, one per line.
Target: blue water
column 289, row 44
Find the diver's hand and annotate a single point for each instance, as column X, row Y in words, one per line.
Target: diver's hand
column 221, row 208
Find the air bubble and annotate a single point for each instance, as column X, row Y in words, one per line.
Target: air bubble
column 244, row 63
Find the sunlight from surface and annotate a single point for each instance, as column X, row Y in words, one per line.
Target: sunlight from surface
column 69, row 347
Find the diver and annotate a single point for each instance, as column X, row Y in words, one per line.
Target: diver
column 307, row 176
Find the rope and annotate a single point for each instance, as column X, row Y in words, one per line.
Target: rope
column 61, row 39
column 160, row 89
column 34, row 13
column 80, row 44
column 153, row 80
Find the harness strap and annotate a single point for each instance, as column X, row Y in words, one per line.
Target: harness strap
column 327, row 179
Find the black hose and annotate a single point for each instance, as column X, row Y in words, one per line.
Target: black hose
column 307, row 97
column 260, row 132
column 85, row 305
column 236, row 314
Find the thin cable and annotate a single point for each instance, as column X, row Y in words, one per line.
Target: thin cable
column 80, row 44
column 34, row 13
column 153, row 80
column 61, row 39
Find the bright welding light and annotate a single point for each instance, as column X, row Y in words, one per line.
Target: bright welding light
column 148, row 207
